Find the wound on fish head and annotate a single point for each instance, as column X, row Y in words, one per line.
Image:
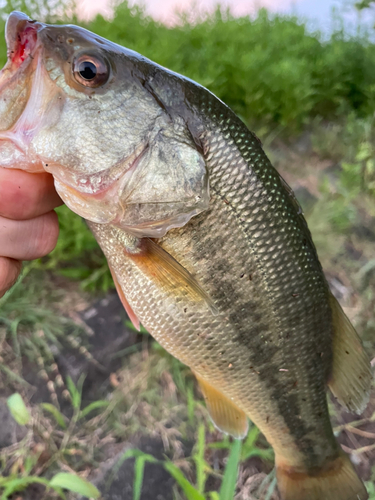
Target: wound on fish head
column 21, row 38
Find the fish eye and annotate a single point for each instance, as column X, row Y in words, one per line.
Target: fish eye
column 91, row 70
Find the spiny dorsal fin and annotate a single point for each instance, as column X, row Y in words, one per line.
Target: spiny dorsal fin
column 170, row 274
column 224, row 413
column 351, row 370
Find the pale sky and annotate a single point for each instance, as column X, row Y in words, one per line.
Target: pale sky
column 315, row 10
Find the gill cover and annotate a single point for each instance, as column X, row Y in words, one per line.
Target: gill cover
column 168, row 186
column 160, row 189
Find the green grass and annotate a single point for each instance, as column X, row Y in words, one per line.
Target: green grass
column 146, row 385
column 203, row 470
column 269, row 69
column 30, row 326
column 13, row 482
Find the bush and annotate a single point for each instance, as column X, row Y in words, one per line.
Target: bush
column 269, row 69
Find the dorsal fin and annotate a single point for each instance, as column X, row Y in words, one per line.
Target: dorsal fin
column 351, row 376
column 224, row 413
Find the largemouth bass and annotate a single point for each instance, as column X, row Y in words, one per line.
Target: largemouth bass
column 207, row 244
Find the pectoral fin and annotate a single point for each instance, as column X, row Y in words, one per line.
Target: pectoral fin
column 170, row 274
column 224, row 413
column 351, row 371
column 132, row 316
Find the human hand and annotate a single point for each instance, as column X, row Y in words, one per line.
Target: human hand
column 28, row 225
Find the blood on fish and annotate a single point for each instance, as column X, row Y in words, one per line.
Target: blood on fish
column 26, row 43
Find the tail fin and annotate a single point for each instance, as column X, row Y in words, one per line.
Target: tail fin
column 338, row 481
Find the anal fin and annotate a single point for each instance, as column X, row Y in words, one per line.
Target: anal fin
column 351, row 375
column 224, row 413
column 132, row 316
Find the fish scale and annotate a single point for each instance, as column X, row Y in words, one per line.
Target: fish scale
column 207, row 245
column 241, row 326
column 288, row 286
column 285, row 290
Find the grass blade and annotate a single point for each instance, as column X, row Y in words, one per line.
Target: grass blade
column 228, row 486
column 200, row 463
column 139, row 468
column 18, row 409
column 189, row 490
column 74, row 393
column 13, row 485
column 75, row 484
column 93, row 406
column 59, row 417
column 131, row 453
column 271, row 489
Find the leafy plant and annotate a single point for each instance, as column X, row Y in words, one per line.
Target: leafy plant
column 15, row 482
column 370, row 490
column 358, row 175
column 61, row 481
column 46, row 10
column 18, row 409
column 191, row 492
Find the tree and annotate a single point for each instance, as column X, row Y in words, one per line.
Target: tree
column 364, row 4
column 43, row 10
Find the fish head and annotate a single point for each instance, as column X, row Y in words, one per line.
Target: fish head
column 79, row 106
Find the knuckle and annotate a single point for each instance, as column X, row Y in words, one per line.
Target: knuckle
column 22, row 194
column 9, row 271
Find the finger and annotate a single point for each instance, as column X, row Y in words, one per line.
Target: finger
column 9, row 271
column 25, row 196
column 28, row 240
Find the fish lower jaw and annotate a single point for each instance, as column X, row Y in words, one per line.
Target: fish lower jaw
column 13, row 155
column 97, row 185
column 95, row 197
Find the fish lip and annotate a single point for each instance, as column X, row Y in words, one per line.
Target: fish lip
column 18, row 137
column 24, row 64
column 20, row 134
column 96, row 186
column 21, row 35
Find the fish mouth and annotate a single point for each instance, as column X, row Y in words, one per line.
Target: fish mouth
column 23, row 94
column 21, row 35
